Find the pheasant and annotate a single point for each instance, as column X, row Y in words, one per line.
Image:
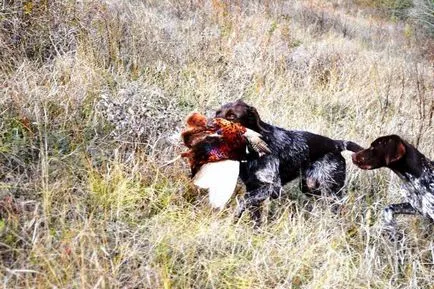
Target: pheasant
column 216, row 148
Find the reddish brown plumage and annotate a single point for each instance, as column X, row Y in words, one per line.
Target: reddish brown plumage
column 196, row 129
column 212, row 140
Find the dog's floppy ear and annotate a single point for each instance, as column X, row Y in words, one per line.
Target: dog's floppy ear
column 253, row 113
column 396, row 153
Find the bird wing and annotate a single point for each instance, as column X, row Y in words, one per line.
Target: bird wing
column 220, row 178
column 256, row 142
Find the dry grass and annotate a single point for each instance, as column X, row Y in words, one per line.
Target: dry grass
column 92, row 92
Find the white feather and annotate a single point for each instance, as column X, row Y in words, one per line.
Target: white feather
column 220, row 178
column 251, row 133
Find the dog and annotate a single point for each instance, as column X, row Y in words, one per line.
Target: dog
column 316, row 159
column 413, row 168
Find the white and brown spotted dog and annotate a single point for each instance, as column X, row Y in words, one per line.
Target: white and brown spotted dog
column 416, row 171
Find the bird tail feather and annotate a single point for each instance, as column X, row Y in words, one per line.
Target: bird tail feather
column 220, row 178
column 259, row 145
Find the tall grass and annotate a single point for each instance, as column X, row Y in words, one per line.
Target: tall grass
column 92, row 93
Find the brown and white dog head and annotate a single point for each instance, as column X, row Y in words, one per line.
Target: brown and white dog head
column 241, row 112
column 383, row 152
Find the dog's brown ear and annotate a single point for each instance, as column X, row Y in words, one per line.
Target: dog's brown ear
column 254, row 113
column 397, row 153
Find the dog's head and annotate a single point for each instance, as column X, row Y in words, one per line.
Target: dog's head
column 240, row 112
column 383, row 152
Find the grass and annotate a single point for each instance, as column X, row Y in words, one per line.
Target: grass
column 92, row 94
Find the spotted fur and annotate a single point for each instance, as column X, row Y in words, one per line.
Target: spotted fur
column 326, row 175
column 315, row 158
column 413, row 168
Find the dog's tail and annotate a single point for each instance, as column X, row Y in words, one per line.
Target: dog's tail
column 344, row 145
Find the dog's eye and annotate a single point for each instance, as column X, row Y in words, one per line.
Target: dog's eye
column 218, row 112
column 230, row 115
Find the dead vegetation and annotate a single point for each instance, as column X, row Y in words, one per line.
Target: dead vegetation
column 92, row 93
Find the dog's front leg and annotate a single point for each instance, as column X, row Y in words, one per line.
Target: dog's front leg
column 262, row 180
column 389, row 213
column 253, row 200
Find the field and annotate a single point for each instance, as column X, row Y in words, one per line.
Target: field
column 94, row 93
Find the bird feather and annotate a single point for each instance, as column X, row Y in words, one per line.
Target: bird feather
column 220, row 178
column 259, row 145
